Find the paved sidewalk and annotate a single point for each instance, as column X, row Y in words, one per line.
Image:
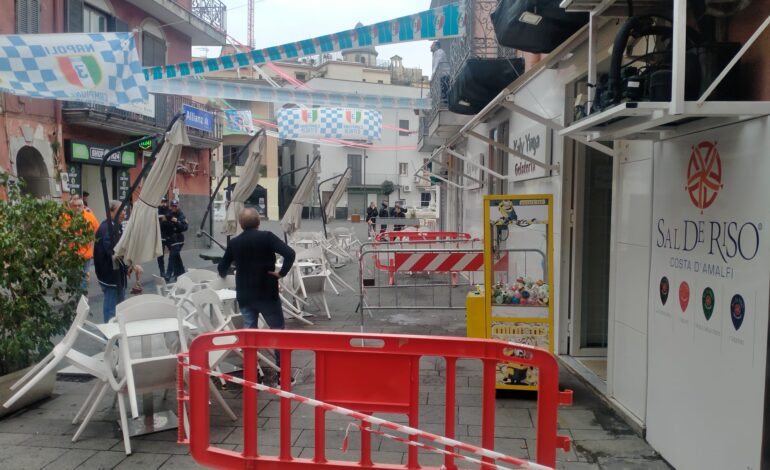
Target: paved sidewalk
column 40, row 436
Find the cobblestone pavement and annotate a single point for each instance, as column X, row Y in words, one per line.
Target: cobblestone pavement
column 39, row 437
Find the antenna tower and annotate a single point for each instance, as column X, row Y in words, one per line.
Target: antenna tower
column 251, row 24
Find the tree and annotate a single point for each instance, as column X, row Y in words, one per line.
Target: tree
column 387, row 187
column 40, row 274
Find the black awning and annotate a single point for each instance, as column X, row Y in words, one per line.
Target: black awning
column 480, row 80
column 537, row 26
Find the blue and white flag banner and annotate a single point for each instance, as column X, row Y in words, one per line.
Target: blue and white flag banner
column 101, row 68
column 447, row 21
column 330, row 123
column 238, row 122
column 232, row 90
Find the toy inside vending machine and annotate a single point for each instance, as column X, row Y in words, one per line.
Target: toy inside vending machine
column 518, row 279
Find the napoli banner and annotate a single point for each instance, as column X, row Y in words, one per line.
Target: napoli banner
column 238, row 122
column 101, row 68
column 330, row 123
column 443, row 22
column 231, row 90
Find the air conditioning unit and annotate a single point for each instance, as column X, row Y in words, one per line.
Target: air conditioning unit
column 406, row 188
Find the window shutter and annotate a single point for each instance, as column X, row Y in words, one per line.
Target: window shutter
column 74, row 16
column 22, row 19
column 34, row 17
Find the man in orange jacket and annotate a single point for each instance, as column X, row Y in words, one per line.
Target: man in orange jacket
column 86, row 251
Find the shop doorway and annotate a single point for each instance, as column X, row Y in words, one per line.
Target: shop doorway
column 591, row 217
column 30, row 167
column 92, row 183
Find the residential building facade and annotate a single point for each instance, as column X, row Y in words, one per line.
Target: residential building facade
column 47, row 139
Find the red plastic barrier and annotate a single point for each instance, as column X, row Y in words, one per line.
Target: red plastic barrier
column 382, row 376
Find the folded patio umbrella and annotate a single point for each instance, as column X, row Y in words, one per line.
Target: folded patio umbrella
column 141, row 240
column 246, row 185
column 292, row 219
column 339, row 190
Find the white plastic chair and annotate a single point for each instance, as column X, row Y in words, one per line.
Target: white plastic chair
column 315, row 286
column 200, row 276
column 161, row 286
column 132, row 376
column 61, row 352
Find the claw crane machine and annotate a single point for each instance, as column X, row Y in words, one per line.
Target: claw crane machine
column 516, row 303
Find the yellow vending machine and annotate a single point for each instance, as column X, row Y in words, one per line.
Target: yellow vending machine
column 518, row 280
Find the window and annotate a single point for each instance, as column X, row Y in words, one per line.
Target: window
column 403, row 169
column 153, row 50
column 27, row 16
column 425, row 199
column 380, row 82
column 94, row 21
column 403, row 127
column 300, row 76
column 498, row 159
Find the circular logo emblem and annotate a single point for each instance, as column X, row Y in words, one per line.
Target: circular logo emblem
column 737, row 311
column 704, row 174
column 684, row 295
column 708, row 302
column 664, row 290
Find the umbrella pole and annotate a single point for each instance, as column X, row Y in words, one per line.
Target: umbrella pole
column 103, row 177
column 285, row 238
column 226, row 174
column 323, row 206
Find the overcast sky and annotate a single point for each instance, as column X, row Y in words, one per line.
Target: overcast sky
column 280, row 21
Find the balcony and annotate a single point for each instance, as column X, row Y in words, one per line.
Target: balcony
column 204, row 21
column 151, row 119
column 479, row 69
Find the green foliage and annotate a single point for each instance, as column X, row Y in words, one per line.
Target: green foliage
column 40, row 274
column 387, row 187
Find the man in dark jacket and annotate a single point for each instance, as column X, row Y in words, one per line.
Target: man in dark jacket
column 162, row 217
column 175, row 226
column 256, row 281
column 112, row 278
column 371, row 218
column 398, row 213
column 384, row 214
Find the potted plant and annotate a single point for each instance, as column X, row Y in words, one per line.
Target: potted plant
column 355, row 217
column 40, row 281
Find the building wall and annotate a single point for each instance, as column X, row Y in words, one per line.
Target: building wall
column 630, row 270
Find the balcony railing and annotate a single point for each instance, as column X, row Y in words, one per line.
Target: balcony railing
column 166, row 106
column 212, row 12
column 439, row 101
column 479, row 41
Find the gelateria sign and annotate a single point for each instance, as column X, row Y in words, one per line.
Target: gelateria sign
column 534, row 142
column 708, row 297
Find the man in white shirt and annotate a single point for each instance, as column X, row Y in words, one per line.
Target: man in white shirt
column 440, row 68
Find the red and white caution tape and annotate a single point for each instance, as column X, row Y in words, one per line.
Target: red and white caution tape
column 422, row 445
column 439, row 440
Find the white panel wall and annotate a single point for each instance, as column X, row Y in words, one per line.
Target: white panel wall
column 627, row 381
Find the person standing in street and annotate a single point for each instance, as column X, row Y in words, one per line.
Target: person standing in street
column 398, row 213
column 256, row 280
column 371, row 218
column 176, row 225
column 112, row 274
column 87, row 250
column 164, row 233
column 384, row 214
